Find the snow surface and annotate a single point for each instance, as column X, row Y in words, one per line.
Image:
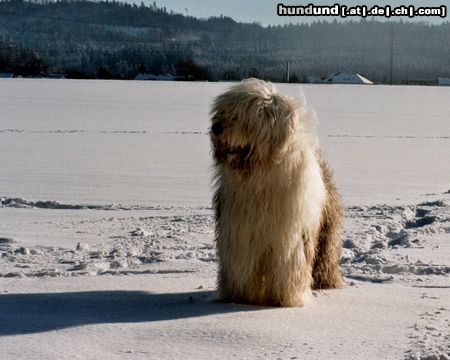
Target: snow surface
column 106, row 228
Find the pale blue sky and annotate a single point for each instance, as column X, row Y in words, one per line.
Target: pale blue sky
column 264, row 11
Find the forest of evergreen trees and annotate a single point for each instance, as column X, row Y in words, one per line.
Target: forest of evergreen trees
column 113, row 40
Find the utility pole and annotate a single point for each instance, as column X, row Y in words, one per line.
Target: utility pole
column 287, row 72
column 392, row 53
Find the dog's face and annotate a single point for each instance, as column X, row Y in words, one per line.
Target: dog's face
column 252, row 125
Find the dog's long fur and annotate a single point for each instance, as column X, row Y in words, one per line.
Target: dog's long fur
column 278, row 215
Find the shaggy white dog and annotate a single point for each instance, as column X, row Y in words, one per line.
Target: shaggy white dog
column 278, row 216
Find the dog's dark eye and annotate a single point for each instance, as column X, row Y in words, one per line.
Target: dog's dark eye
column 217, row 128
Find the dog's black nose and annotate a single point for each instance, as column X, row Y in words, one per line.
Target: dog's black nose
column 217, row 128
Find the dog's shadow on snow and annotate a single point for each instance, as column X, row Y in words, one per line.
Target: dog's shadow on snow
column 34, row 313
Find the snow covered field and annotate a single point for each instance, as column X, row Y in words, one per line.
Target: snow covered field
column 106, row 230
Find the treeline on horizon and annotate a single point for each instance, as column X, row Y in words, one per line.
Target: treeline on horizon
column 113, row 40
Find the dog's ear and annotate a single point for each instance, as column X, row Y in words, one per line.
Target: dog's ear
column 269, row 113
column 284, row 114
column 280, row 123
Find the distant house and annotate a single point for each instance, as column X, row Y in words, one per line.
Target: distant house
column 56, row 76
column 5, row 75
column 443, row 81
column 346, row 78
column 164, row 77
column 144, row 76
column 312, row 79
column 422, row 82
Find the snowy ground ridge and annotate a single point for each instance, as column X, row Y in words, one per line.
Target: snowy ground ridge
column 83, row 131
column 17, row 202
column 376, row 241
